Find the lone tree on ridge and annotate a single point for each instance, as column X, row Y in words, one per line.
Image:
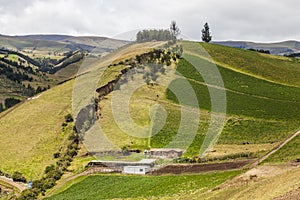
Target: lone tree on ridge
column 206, row 35
column 175, row 31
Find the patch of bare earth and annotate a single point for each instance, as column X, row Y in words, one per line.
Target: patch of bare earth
column 292, row 195
column 261, row 182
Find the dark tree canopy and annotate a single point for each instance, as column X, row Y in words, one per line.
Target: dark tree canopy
column 206, row 35
column 175, row 31
column 1, row 107
column 10, row 102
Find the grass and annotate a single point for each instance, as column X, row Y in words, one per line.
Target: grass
column 66, row 72
column 141, row 102
column 240, row 82
column 13, row 57
column 112, row 186
column 110, row 74
column 259, row 111
column 278, row 180
column 256, row 131
column 246, row 95
column 284, row 71
column 30, row 135
column 221, row 150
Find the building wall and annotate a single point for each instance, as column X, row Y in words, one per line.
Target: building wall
column 136, row 170
column 166, row 154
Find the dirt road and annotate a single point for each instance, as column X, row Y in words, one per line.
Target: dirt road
column 12, row 183
column 274, row 150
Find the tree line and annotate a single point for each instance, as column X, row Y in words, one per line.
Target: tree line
column 153, row 35
column 169, row 34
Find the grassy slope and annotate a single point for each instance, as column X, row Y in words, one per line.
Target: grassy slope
column 277, row 69
column 31, row 133
column 262, row 129
column 28, row 44
column 9, row 88
column 260, row 111
column 289, row 152
column 112, row 186
column 272, row 182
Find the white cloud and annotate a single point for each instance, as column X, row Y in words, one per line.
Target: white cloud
column 255, row 20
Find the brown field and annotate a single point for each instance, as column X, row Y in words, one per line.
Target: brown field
column 198, row 168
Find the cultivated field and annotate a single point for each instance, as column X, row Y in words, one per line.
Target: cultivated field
column 112, row 186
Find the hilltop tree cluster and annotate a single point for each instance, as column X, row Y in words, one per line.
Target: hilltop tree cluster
column 153, row 35
column 169, row 35
column 159, row 35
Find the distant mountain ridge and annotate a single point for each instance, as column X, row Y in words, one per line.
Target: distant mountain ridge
column 277, row 48
column 68, row 42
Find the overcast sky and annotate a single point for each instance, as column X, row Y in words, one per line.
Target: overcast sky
column 251, row 20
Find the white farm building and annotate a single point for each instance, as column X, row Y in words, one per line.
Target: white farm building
column 136, row 169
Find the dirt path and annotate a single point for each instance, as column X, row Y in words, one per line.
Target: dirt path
column 258, row 161
column 12, row 183
column 64, row 181
column 12, row 108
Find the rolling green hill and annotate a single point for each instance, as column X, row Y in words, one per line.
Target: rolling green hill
column 33, row 63
column 286, row 47
column 36, row 123
column 262, row 109
column 59, row 43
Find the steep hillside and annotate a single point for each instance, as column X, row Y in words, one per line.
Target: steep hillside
column 272, row 68
column 33, row 63
column 262, row 109
column 31, row 133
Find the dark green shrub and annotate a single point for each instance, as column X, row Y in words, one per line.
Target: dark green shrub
column 49, row 168
column 55, row 174
column 69, row 118
column 56, row 155
column 17, row 176
column 29, row 194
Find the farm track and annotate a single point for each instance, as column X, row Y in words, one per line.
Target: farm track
column 275, row 149
column 13, row 108
column 12, row 183
column 59, row 185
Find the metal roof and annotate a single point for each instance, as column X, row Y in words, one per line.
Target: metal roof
column 143, row 161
